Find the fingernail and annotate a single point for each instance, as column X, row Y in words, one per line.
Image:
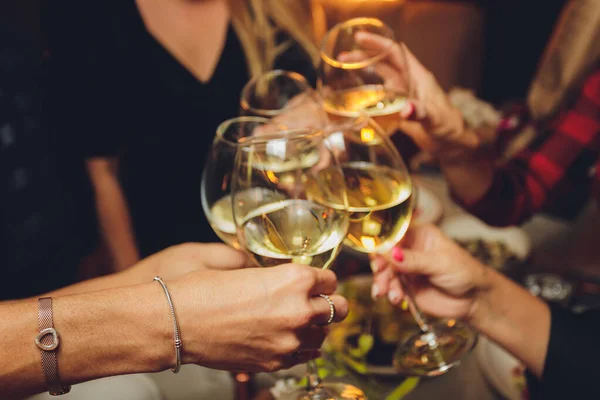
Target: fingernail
column 409, row 111
column 398, row 254
column 394, row 297
column 375, row 291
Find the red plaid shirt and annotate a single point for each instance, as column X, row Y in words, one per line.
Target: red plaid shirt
column 564, row 159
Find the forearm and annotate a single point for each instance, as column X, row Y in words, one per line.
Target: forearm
column 512, row 317
column 117, row 229
column 469, row 171
column 469, row 180
column 113, row 213
column 112, row 281
column 102, row 334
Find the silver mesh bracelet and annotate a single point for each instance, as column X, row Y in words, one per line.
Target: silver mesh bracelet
column 176, row 336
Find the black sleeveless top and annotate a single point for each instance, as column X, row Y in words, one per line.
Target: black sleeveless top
column 121, row 93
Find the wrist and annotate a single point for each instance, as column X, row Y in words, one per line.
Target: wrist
column 464, row 148
column 486, row 285
column 114, row 332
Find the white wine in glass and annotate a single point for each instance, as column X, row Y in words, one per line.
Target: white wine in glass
column 298, row 231
column 302, row 218
column 380, row 203
column 356, row 80
column 216, row 177
column 383, row 106
column 220, row 217
column 380, row 198
column 280, row 221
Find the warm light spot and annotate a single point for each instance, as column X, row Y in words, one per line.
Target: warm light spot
column 367, row 134
column 371, row 228
column 297, row 240
column 367, row 242
column 352, row 393
column 451, row 323
column 272, row 177
column 404, row 305
column 242, row 377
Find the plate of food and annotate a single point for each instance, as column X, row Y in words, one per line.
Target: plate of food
column 503, row 371
column 498, row 248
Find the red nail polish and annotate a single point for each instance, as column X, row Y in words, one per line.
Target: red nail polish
column 398, row 254
column 409, row 113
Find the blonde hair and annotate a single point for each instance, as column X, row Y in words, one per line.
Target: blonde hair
column 257, row 24
column 573, row 50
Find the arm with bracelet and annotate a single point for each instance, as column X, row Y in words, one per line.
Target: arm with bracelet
column 202, row 318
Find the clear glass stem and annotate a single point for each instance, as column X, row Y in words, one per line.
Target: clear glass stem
column 412, row 305
column 428, row 335
column 312, row 376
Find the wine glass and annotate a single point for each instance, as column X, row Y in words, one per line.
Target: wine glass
column 381, row 198
column 296, row 213
column 356, row 78
column 216, row 177
column 285, row 96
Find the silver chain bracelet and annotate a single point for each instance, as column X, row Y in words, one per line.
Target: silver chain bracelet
column 176, row 336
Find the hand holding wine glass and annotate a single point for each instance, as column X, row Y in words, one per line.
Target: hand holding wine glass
column 429, row 118
column 453, row 276
column 297, row 212
column 357, row 76
column 381, row 201
column 286, row 97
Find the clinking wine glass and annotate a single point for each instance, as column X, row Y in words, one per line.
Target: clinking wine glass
column 359, row 78
column 381, row 198
column 284, row 96
column 296, row 213
column 216, row 177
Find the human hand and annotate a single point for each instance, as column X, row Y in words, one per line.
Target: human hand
column 254, row 319
column 430, row 119
column 304, row 111
column 445, row 280
column 182, row 259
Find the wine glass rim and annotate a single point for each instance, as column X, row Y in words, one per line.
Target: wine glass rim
column 225, row 125
column 301, row 79
column 351, row 122
column 329, row 59
column 293, row 134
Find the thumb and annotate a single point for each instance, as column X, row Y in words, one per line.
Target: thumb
column 221, row 256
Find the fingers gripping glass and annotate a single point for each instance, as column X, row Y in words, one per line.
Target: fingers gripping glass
column 284, row 96
column 363, row 70
column 289, row 205
column 381, row 199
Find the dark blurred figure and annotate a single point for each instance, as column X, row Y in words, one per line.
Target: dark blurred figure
column 516, row 34
column 141, row 86
column 41, row 237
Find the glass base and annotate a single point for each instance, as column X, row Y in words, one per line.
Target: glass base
column 435, row 352
column 331, row 391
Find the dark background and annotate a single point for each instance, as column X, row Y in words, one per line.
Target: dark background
column 516, row 33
